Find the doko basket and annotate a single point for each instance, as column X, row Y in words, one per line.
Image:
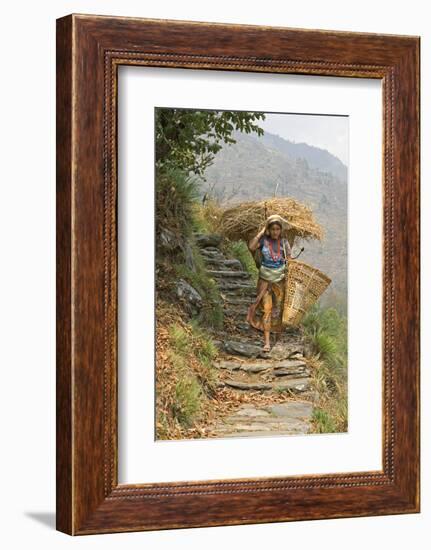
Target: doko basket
column 304, row 284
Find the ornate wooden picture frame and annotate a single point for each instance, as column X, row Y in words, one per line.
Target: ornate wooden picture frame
column 89, row 51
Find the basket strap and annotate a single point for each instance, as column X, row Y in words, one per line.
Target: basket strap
column 284, row 249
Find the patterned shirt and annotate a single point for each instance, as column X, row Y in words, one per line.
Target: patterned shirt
column 267, row 260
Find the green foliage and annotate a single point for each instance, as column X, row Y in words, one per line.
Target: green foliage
column 207, row 216
column 187, row 400
column 326, row 330
column 176, row 196
column 192, row 353
column 204, row 346
column 179, row 339
column 163, row 426
column 188, row 139
column 211, row 314
column 206, row 352
column 324, row 422
column 326, row 345
column 240, row 251
column 176, row 210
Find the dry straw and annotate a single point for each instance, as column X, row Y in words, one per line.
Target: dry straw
column 243, row 221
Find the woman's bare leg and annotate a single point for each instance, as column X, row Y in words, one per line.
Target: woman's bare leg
column 267, row 340
column 266, row 320
column 261, row 288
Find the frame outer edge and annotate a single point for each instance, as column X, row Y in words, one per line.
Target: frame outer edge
column 407, row 291
column 78, row 496
column 64, row 367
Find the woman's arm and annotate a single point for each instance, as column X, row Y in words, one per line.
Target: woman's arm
column 254, row 242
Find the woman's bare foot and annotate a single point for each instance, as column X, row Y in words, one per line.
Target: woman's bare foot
column 266, row 347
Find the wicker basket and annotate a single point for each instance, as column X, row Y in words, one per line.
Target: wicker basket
column 304, row 285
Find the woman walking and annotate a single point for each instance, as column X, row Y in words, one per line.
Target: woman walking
column 265, row 314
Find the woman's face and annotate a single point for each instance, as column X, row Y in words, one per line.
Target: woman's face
column 274, row 231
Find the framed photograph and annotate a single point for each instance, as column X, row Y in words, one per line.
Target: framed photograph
column 238, row 274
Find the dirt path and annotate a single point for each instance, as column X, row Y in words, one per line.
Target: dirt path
column 282, row 375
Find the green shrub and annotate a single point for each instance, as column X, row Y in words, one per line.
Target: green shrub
column 323, row 421
column 326, row 331
column 240, row 251
column 187, row 402
column 176, row 196
column 207, row 216
column 179, row 339
column 191, row 353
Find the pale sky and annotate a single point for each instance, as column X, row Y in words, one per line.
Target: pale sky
column 324, row 131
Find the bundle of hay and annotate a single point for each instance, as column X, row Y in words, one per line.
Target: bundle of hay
column 244, row 220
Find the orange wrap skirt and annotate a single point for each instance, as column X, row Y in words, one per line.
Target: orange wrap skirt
column 266, row 313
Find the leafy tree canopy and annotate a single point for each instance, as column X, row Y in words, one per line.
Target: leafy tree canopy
column 189, row 139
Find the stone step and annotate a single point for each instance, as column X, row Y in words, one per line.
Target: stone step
column 269, row 424
column 291, row 367
column 295, row 385
column 232, row 311
column 224, row 264
column 228, row 274
column 279, row 352
column 242, row 348
column 292, row 371
column 244, row 327
column 235, row 365
column 237, row 287
column 208, row 240
column 210, row 260
column 220, row 433
column 235, row 300
column 284, row 418
column 286, row 350
column 212, row 253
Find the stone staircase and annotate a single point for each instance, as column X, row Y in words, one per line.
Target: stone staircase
column 244, row 367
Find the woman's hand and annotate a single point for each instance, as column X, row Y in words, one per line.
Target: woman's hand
column 261, row 233
column 254, row 242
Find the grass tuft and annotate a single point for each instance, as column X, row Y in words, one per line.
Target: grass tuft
column 240, row 251
column 326, row 332
column 186, row 378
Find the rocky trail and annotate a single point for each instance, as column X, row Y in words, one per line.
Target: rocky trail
column 282, row 375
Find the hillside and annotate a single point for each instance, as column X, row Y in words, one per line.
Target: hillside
column 317, row 158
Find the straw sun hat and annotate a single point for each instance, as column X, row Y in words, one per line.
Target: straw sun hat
column 276, row 218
